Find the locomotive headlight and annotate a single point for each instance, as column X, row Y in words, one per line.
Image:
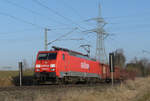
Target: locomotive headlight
column 38, row 66
column 52, row 65
column 53, row 69
column 38, row 70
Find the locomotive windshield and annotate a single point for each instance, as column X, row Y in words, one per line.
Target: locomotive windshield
column 47, row 56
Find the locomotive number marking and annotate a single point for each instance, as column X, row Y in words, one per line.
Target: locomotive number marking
column 45, row 69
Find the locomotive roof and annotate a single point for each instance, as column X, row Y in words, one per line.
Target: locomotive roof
column 68, row 50
column 71, row 52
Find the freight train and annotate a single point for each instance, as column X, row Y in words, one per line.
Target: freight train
column 61, row 65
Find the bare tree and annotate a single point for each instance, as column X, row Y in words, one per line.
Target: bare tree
column 120, row 58
column 142, row 66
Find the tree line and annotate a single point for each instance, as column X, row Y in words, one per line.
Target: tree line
column 140, row 66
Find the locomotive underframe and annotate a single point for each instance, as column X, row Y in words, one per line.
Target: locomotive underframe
column 52, row 78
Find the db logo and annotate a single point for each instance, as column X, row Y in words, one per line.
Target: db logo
column 84, row 65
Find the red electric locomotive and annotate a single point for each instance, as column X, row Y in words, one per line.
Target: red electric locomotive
column 63, row 65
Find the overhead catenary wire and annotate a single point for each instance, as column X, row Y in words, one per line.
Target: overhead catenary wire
column 64, row 35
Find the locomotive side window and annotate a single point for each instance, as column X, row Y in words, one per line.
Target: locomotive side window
column 47, row 56
column 63, row 56
column 52, row 56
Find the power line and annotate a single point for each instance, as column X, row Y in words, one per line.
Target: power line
column 71, row 8
column 145, row 51
column 128, row 16
column 119, row 28
column 21, row 20
column 23, row 30
column 75, row 11
column 39, row 3
column 56, row 13
column 72, row 39
column 32, row 11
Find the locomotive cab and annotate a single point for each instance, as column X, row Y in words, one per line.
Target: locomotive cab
column 45, row 67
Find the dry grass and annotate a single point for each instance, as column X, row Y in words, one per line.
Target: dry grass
column 6, row 77
column 129, row 91
column 7, row 74
column 138, row 90
column 4, row 82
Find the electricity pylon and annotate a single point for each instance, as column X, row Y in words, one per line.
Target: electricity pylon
column 101, row 35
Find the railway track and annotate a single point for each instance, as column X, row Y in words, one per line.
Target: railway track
column 49, row 87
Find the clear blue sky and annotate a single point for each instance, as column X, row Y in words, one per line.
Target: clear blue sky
column 22, row 24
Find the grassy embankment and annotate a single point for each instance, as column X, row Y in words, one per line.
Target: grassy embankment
column 7, row 77
column 138, row 90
